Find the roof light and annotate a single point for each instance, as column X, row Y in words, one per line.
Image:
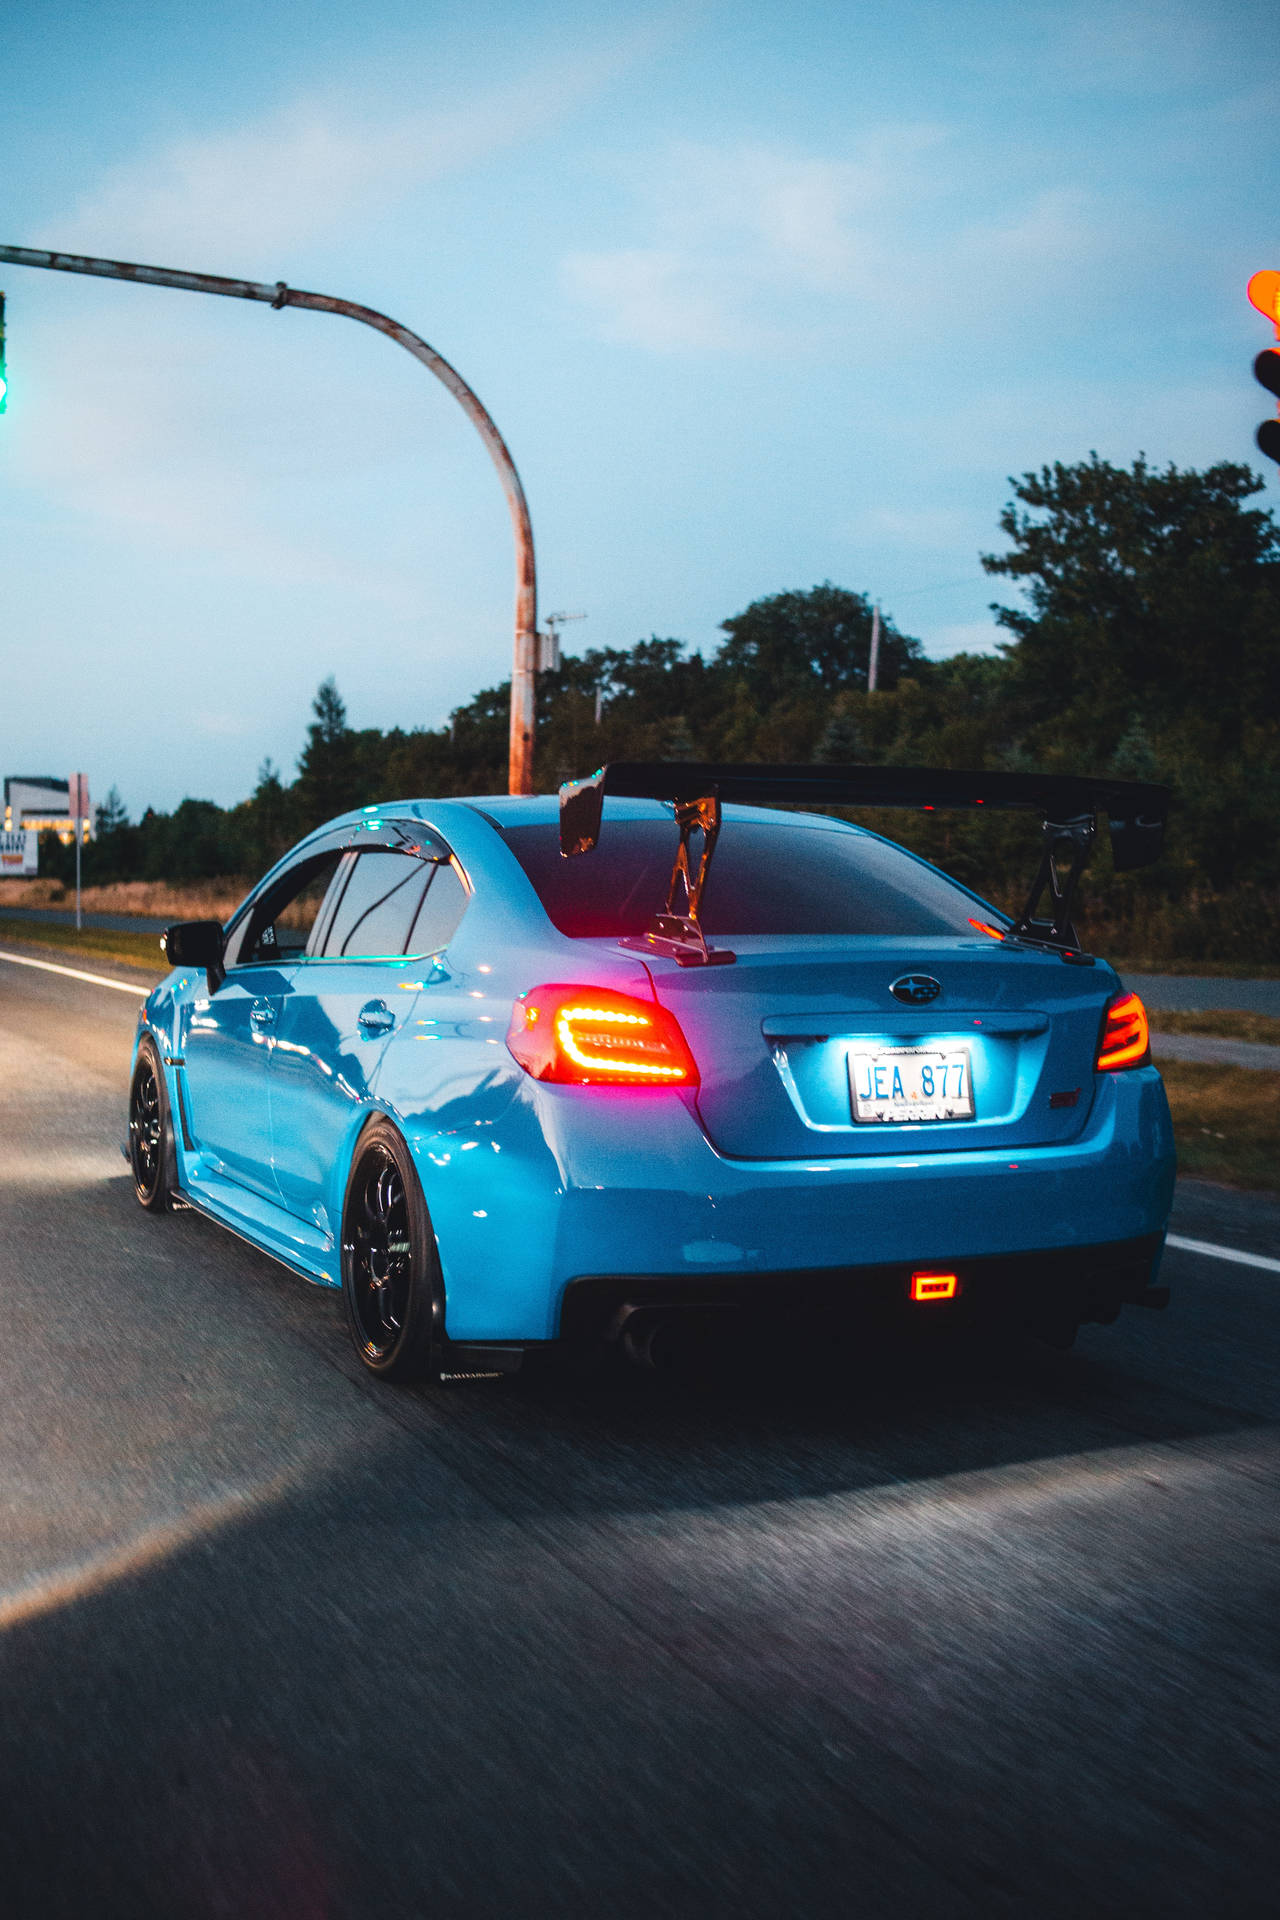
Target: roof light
column 591, row 1036
column 1125, row 1040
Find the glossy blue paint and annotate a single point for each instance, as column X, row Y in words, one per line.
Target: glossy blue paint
column 226, row 1039
column 530, row 1185
column 323, row 1069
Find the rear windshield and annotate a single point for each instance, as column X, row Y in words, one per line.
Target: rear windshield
column 765, row 878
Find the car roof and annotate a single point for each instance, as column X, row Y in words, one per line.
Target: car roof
column 539, row 809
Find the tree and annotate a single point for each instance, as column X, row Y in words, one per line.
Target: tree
column 114, row 850
column 1149, row 645
column 1153, row 599
column 328, row 776
column 268, row 826
column 111, row 815
column 814, row 642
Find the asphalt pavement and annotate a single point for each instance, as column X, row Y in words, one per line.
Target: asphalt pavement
column 1211, row 1051
column 104, row 922
column 1205, row 993
column 977, row 1636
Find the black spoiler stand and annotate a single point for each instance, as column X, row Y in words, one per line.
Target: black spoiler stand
column 1070, row 839
column 679, row 935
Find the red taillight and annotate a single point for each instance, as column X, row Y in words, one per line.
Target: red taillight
column 590, row 1037
column 1125, row 1040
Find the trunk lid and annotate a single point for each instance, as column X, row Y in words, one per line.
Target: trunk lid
column 772, row 1036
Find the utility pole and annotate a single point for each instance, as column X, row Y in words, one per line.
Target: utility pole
column 78, row 808
column 524, row 660
column 873, row 663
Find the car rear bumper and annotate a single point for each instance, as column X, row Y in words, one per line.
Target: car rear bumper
column 1046, row 1290
column 575, row 1186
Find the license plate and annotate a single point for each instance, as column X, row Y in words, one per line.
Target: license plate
column 906, row 1084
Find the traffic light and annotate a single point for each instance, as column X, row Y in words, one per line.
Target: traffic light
column 4, row 371
column 1264, row 293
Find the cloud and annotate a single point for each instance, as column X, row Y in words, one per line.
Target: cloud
column 738, row 229
column 753, row 248
column 135, row 443
column 190, row 447
column 649, row 297
column 308, row 168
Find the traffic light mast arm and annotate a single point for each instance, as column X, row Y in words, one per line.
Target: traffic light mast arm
column 520, row 765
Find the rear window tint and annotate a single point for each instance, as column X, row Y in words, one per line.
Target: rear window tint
column 765, row 878
column 443, row 906
column 377, row 906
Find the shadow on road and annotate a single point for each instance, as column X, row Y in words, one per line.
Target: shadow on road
column 755, row 1423
column 952, row 1629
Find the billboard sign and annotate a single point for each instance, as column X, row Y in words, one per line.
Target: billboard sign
column 19, row 854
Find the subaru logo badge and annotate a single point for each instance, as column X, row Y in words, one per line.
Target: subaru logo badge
column 917, row 989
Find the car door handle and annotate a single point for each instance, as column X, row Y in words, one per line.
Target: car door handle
column 376, row 1017
column 262, row 1013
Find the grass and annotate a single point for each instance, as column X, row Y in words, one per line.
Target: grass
column 1261, row 1028
column 91, row 943
column 1227, row 1122
column 150, row 899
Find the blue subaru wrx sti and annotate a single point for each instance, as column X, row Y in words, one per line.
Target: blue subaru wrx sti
column 513, row 1071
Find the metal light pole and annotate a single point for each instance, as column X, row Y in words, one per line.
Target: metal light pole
column 524, row 660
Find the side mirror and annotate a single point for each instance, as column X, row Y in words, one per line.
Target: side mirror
column 196, row 943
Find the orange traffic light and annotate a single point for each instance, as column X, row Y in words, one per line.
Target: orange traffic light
column 1264, row 293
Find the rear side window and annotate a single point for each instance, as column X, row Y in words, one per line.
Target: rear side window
column 765, row 878
column 437, row 917
column 377, row 907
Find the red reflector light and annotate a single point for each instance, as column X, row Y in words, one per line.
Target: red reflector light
column 934, row 1286
column 1125, row 1040
column 589, row 1036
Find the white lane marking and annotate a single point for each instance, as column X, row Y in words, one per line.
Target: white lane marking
column 1222, row 1253
column 74, row 973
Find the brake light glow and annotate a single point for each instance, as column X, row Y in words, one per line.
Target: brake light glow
column 590, row 1036
column 934, row 1286
column 1125, row 1040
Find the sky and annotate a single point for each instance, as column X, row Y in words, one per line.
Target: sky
column 761, row 293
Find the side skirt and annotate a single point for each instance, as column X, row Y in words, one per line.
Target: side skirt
column 270, row 1230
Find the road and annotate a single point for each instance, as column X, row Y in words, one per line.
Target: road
column 1205, row 993
column 105, row 922
column 975, row 1639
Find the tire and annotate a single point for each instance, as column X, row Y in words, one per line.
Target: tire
column 391, row 1283
column 152, row 1159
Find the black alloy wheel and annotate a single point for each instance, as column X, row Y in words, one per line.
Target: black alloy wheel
column 150, row 1140
column 390, row 1277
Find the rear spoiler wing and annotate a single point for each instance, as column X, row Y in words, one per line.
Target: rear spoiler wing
column 1068, row 805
